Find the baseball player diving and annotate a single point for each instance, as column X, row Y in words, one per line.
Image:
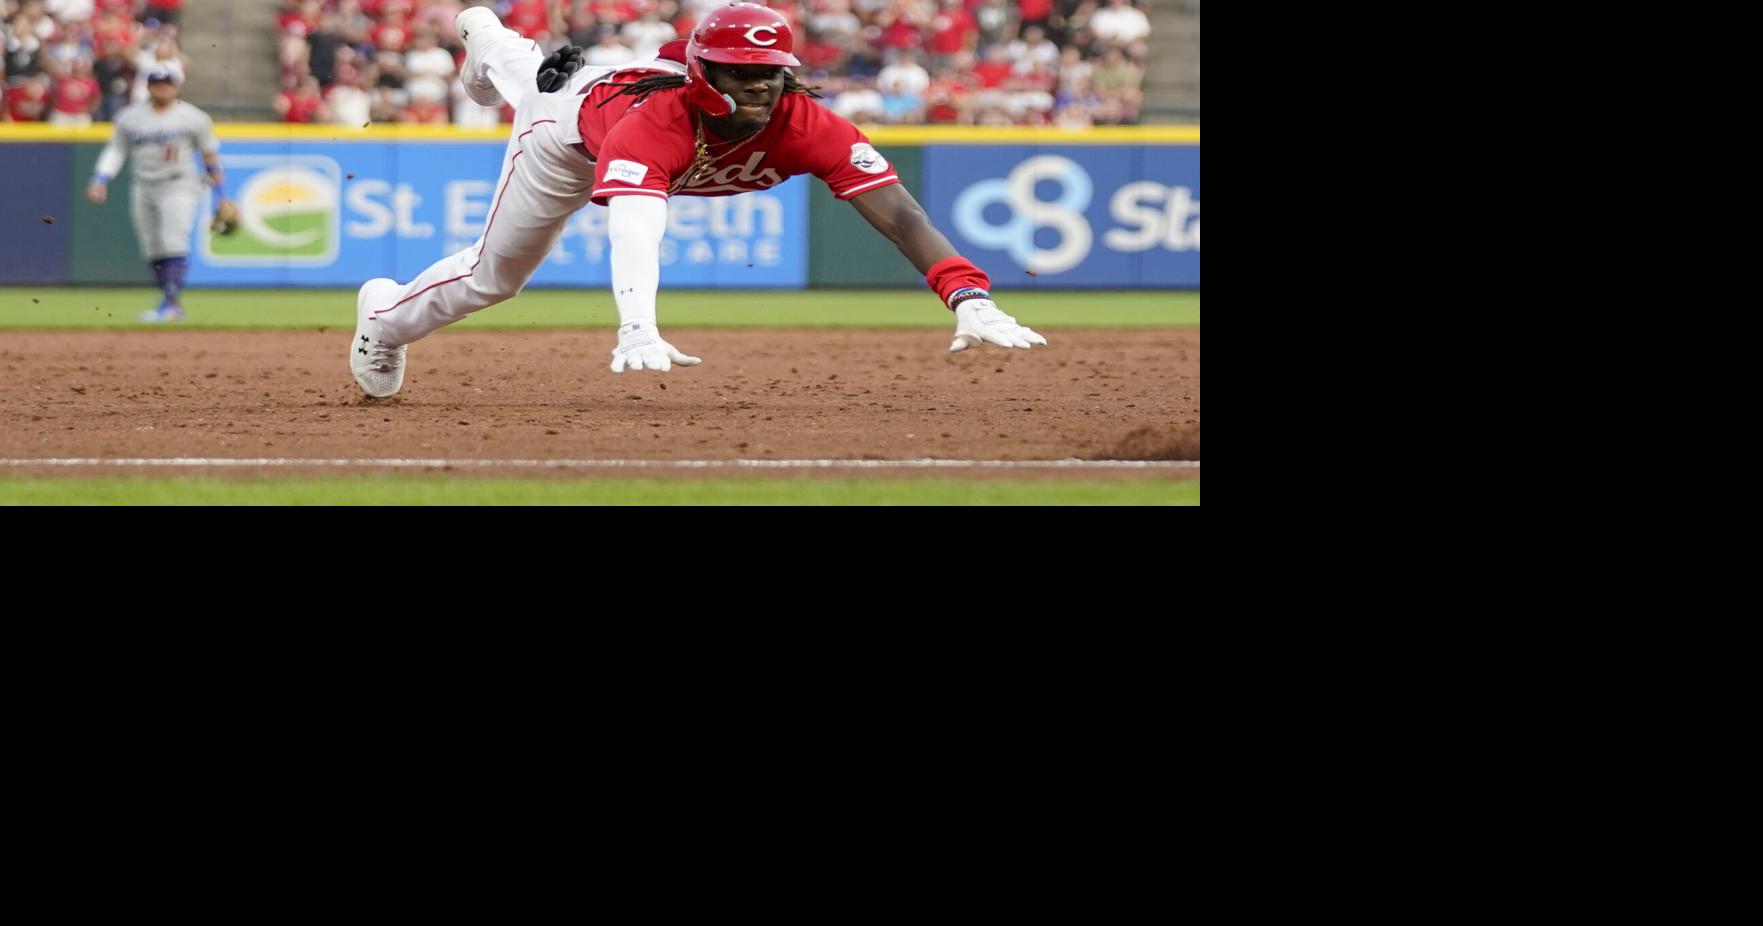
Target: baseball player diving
column 161, row 134
column 715, row 115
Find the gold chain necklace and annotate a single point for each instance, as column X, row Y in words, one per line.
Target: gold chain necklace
column 703, row 165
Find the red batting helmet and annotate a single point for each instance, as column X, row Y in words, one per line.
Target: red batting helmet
column 739, row 33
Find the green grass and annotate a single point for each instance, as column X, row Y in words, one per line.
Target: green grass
column 56, row 308
column 395, row 490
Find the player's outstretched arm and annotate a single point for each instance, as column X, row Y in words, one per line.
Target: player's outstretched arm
column 962, row 286
column 226, row 212
column 634, row 226
column 110, row 161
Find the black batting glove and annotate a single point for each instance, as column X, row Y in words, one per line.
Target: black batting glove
column 558, row 67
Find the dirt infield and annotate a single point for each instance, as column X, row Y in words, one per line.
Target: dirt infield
column 838, row 394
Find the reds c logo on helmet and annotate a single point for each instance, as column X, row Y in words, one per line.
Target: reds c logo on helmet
column 739, row 33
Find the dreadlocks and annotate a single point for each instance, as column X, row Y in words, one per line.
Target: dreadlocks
column 644, row 86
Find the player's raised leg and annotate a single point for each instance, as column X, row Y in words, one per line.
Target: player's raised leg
column 499, row 63
column 543, row 182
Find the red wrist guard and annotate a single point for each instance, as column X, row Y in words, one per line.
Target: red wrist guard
column 952, row 276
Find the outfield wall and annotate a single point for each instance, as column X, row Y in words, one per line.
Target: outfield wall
column 1104, row 209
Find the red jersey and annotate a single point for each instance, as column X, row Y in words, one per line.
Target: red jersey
column 530, row 19
column 24, row 105
column 425, row 112
column 642, row 148
column 820, row 56
column 388, row 37
column 902, row 33
column 75, row 95
column 992, row 74
column 301, row 107
column 945, row 97
column 112, row 31
column 1034, row 10
column 615, row 11
column 949, row 31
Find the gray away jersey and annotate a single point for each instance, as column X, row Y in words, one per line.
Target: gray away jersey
column 161, row 142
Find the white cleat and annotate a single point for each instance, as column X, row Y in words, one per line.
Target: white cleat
column 378, row 366
column 476, row 26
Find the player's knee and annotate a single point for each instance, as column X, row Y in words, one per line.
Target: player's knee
column 491, row 292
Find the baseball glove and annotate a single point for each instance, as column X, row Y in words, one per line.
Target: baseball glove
column 226, row 218
column 558, row 67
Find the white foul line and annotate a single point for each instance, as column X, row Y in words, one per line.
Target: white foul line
column 620, row 464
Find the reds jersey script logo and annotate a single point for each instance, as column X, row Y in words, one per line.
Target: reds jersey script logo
column 738, row 178
column 751, row 37
column 865, row 158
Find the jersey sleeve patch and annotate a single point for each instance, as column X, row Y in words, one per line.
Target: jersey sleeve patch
column 626, row 172
column 865, row 158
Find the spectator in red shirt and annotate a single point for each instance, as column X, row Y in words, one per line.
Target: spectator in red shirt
column 899, row 30
column 952, row 31
column 76, row 96
column 112, row 31
column 424, row 112
column 613, row 11
column 1034, row 12
column 288, row 19
column 995, row 69
column 29, row 101
column 394, row 33
column 301, row 18
column 303, row 104
column 685, row 22
column 531, row 18
column 822, row 56
column 949, row 99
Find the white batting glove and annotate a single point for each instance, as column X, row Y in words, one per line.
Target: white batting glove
column 640, row 347
column 980, row 320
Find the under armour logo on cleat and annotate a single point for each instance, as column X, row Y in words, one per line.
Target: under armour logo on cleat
column 361, row 350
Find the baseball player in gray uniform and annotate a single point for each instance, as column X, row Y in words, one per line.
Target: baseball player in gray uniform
column 162, row 134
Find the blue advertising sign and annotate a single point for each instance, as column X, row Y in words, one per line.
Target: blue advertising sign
column 340, row 214
column 34, row 226
column 1073, row 216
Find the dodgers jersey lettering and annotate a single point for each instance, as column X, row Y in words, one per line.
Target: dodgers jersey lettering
column 161, row 144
